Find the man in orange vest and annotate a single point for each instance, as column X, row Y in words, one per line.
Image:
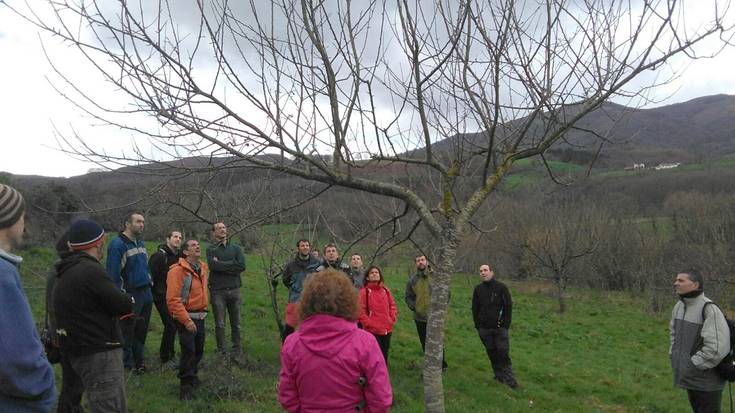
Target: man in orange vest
column 187, row 299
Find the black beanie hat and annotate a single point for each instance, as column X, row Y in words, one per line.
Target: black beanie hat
column 11, row 206
column 85, row 234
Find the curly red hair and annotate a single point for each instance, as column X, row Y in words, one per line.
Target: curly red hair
column 329, row 292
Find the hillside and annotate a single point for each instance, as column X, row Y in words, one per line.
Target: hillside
column 700, row 128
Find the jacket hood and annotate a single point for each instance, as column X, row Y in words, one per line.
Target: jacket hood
column 326, row 335
column 374, row 285
column 11, row 258
column 69, row 260
column 166, row 249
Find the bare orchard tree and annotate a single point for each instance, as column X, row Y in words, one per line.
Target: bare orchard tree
column 447, row 95
column 561, row 236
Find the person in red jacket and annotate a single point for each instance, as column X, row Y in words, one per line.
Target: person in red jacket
column 187, row 299
column 378, row 310
column 328, row 364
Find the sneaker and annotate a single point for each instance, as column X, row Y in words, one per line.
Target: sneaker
column 170, row 365
column 139, row 371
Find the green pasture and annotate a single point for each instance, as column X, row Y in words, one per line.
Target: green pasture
column 606, row 354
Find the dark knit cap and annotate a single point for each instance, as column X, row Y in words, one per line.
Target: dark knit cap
column 11, row 206
column 85, row 234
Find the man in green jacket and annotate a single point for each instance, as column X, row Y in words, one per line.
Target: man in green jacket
column 418, row 297
column 226, row 261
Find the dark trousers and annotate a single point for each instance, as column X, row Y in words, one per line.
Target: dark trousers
column 72, row 388
column 102, row 376
column 287, row 330
column 227, row 301
column 384, row 343
column 192, row 349
column 705, row 401
column 166, row 350
column 497, row 347
column 134, row 330
column 421, row 330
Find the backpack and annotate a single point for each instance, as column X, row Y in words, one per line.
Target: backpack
column 726, row 367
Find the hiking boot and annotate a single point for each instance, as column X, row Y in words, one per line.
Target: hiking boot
column 186, row 392
column 196, row 383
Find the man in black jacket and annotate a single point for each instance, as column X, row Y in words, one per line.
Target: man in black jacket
column 88, row 306
column 159, row 263
column 333, row 260
column 492, row 311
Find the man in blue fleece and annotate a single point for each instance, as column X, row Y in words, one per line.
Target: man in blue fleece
column 26, row 377
column 127, row 266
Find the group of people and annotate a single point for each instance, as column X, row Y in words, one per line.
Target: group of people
column 339, row 320
column 98, row 317
column 105, row 325
column 328, row 360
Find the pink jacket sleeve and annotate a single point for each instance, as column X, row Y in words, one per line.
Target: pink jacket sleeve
column 378, row 391
column 288, row 394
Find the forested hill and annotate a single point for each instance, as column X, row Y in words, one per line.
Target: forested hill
column 702, row 128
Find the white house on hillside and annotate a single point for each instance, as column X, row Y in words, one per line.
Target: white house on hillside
column 667, row 166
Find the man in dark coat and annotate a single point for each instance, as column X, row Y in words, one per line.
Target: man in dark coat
column 226, row 262
column 295, row 273
column 332, row 259
column 72, row 388
column 492, row 311
column 159, row 263
column 88, row 306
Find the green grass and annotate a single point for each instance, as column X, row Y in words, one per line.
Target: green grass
column 526, row 172
column 606, row 354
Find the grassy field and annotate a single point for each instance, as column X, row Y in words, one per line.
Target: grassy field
column 606, row 354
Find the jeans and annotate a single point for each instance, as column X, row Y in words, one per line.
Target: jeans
column 705, row 401
column 192, row 350
column 102, row 377
column 72, row 388
column 134, row 331
column 226, row 300
column 421, row 330
column 497, row 347
column 169, row 331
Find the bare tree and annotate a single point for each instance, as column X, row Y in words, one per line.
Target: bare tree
column 444, row 95
column 562, row 235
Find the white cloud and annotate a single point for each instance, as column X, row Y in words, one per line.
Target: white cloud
column 30, row 107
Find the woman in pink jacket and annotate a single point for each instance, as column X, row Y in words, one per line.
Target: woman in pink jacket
column 378, row 310
column 329, row 365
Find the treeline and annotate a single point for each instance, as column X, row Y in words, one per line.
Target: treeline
column 574, row 239
column 630, row 232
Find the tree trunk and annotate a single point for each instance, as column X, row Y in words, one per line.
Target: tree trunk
column 560, row 287
column 433, row 380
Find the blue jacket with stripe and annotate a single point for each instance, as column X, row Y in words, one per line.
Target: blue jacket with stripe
column 127, row 264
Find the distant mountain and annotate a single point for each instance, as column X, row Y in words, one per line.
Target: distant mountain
column 701, row 128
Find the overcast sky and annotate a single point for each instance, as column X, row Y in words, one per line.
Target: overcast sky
column 31, row 109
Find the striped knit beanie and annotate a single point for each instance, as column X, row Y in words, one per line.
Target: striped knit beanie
column 11, row 206
column 85, row 234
